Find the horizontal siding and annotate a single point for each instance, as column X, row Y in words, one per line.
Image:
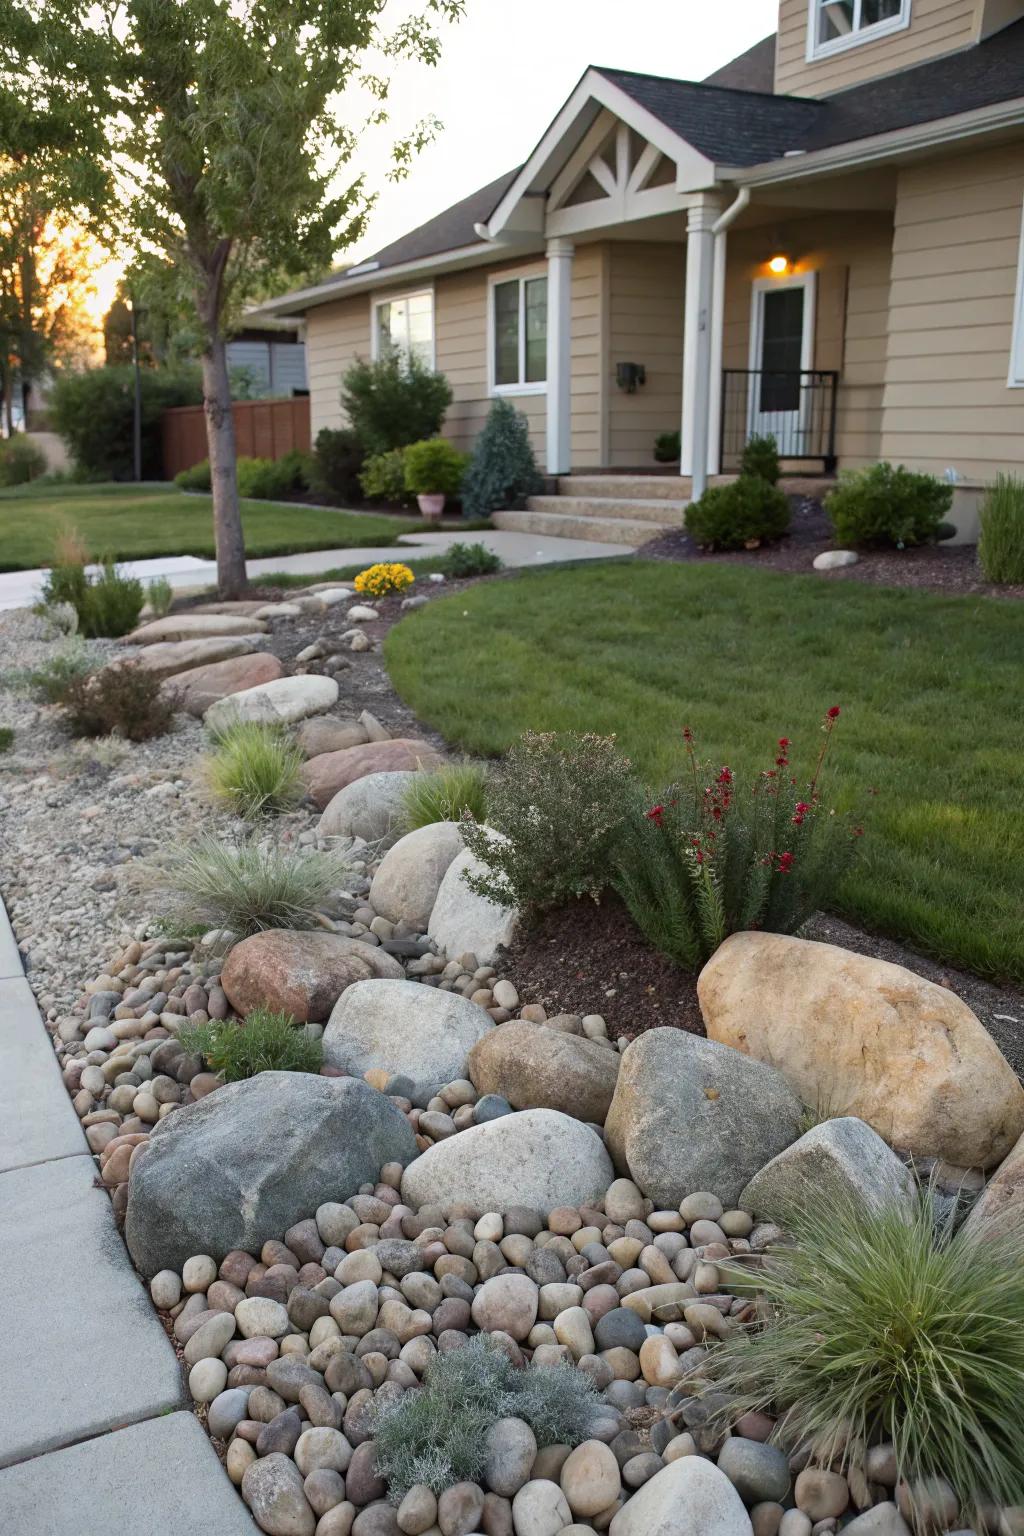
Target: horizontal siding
column 645, row 325
column 336, row 334
column 936, row 27
column 851, row 254
column 946, row 400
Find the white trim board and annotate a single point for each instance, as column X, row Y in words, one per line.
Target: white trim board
column 855, row 38
column 808, row 281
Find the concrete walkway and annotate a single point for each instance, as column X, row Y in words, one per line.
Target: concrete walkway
column 19, row 589
column 94, row 1433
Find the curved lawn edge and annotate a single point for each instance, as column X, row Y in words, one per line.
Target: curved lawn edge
column 640, row 648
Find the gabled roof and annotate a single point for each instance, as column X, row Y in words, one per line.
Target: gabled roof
column 752, row 71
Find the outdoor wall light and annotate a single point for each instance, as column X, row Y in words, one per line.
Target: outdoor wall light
column 629, row 376
column 778, row 266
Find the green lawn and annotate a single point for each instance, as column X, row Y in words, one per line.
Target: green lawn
column 929, row 687
column 132, row 523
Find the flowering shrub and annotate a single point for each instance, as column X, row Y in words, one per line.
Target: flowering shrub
column 558, row 804
column 714, row 857
column 384, row 577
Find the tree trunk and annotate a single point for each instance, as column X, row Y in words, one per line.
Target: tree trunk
column 220, row 438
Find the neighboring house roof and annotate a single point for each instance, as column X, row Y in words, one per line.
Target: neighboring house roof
column 752, row 71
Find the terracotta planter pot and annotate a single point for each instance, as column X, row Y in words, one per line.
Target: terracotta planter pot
column 431, row 506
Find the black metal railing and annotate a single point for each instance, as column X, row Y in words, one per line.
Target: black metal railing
column 797, row 408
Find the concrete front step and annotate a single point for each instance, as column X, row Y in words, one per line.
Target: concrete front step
column 668, row 514
column 602, row 530
column 627, row 487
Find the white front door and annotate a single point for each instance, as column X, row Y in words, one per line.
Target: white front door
column 781, row 353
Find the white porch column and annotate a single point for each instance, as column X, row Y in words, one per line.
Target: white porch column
column 714, row 466
column 559, row 421
column 697, row 337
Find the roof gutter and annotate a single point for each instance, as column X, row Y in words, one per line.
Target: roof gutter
column 882, row 146
column 366, row 279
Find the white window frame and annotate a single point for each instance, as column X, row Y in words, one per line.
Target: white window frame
column 858, row 36
column 379, row 299
column 521, row 275
column 1015, row 376
column 808, row 281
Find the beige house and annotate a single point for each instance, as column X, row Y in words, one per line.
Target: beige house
column 822, row 241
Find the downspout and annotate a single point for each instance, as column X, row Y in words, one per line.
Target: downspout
column 710, row 448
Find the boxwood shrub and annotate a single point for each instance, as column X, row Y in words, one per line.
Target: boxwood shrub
column 888, row 505
column 742, row 515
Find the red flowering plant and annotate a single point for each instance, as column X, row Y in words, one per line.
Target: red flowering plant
column 714, row 855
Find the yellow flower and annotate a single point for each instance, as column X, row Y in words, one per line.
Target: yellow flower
column 387, row 576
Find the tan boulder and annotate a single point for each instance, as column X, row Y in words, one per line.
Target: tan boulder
column 999, row 1210
column 331, row 771
column 194, row 626
column 538, row 1068
column 170, row 657
column 322, row 734
column 303, row 974
column 203, row 686
column 859, row 1036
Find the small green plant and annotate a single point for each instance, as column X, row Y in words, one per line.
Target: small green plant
column 438, row 1436
column 264, row 479
column 760, row 457
column 888, row 505
column 446, row 794
column 49, row 682
column 6, row 738
column 113, row 603
column 195, row 479
column 503, row 471
column 160, row 596
column 715, row 856
column 434, row 467
column 667, row 447
column 20, row 461
column 461, row 561
column 743, row 515
column 557, row 804
column 242, row 887
column 264, row 1042
column 383, row 478
column 254, row 769
column 338, row 457
column 395, row 401
column 1001, row 541
column 886, row 1328
column 122, row 700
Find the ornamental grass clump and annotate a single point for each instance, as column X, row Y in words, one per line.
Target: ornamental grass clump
column 438, row 1436
column 262, row 1042
column 450, row 793
column 254, row 769
column 241, row 888
column 558, row 804
column 1001, row 536
column 884, row 1328
column 716, row 855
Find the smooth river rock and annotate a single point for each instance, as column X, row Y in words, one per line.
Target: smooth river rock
column 325, row 775
column 406, row 884
column 200, row 687
column 168, row 658
column 836, row 1163
column 195, row 626
column 463, row 922
column 537, row 1068
column 690, row 1497
column 859, row 1036
column 303, row 974
column 278, row 703
column 372, row 808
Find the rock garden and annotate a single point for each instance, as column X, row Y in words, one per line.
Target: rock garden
column 436, row 1258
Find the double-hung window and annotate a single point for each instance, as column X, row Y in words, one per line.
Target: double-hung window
column 519, row 334
column 405, row 324
column 1015, row 379
column 834, row 25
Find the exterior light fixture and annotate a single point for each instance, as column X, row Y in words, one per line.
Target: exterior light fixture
column 629, row 376
column 779, row 266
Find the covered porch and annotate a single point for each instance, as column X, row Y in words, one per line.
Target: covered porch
column 680, row 299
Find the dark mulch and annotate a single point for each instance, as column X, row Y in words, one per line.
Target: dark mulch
column 946, row 568
column 589, row 958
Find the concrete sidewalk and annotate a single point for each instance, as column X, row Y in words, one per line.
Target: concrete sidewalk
column 82, row 1352
column 19, row 589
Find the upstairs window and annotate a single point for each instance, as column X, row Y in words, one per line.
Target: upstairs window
column 405, row 324
column 838, row 24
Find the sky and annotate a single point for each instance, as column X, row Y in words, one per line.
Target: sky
column 507, row 68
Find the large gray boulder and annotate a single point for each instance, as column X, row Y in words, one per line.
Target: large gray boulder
column 403, row 1027
column 537, row 1068
column 463, row 922
column 690, row 1497
column 245, row 1163
column 691, row 1115
column 405, row 886
column 836, row 1162
column 999, row 1209
column 539, row 1159
column 278, row 703
column 372, row 808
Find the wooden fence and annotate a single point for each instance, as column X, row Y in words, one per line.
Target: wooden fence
column 264, row 429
